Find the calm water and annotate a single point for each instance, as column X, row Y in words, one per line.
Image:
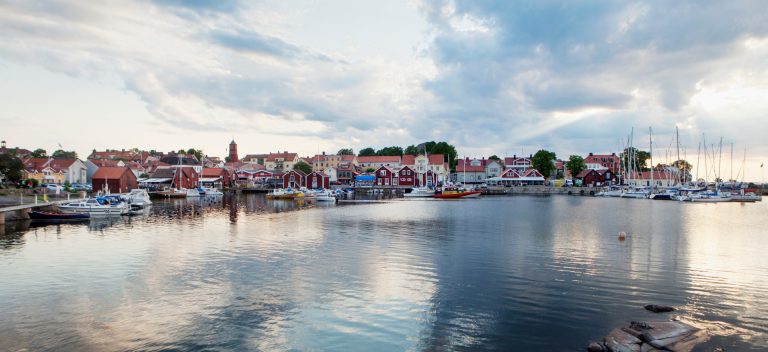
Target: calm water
column 504, row 273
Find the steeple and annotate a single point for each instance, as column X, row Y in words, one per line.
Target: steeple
column 233, row 151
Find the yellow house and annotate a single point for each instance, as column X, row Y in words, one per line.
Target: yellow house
column 46, row 175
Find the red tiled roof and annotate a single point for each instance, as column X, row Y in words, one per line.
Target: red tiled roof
column 284, row 156
column 584, row 173
column 465, row 165
column 347, row 158
column 110, row 173
column 104, row 162
column 379, row 159
column 213, row 172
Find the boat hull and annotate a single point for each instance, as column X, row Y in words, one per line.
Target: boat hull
column 58, row 216
column 470, row 194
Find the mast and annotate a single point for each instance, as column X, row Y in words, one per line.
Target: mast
column 650, row 142
column 720, row 161
column 698, row 154
column 732, row 163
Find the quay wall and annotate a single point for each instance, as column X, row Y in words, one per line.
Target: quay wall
column 541, row 190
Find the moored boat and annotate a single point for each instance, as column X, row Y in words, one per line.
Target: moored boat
column 419, row 192
column 453, row 192
column 280, row 193
column 58, row 216
column 96, row 206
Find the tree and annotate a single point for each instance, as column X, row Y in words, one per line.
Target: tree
column 196, row 152
column 303, row 167
column 11, row 167
column 367, row 152
column 411, row 150
column 390, row 151
column 39, row 153
column 575, row 164
column 62, row 154
column 494, row 157
column 542, row 161
column 369, row 170
column 445, row 149
column 638, row 156
column 682, row 165
column 345, row 151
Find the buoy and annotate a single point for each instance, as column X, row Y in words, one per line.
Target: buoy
column 622, row 235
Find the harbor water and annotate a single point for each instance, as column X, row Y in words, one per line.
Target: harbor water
column 503, row 273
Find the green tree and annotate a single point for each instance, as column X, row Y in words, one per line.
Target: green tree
column 494, row 157
column 575, row 164
column 543, row 161
column 196, row 152
column 369, row 170
column 367, row 152
column 39, row 153
column 390, row 151
column 11, row 167
column 682, row 165
column 640, row 157
column 62, row 154
column 345, row 151
column 303, row 167
column 411, row 150
column 445, row 149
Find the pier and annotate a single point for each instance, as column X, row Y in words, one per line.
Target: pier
column 540, row 190
column 21, row 211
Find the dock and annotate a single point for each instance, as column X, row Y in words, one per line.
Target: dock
column 21, row 211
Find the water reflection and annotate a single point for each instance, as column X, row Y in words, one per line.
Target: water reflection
column 506, row 273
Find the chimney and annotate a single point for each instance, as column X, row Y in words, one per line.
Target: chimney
column 3, row 145
column 590, row 154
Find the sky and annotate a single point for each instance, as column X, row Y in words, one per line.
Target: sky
column 490, row 77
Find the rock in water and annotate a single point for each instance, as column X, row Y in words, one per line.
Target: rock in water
column 658, row 308
column 620, row 341
column 595, row 347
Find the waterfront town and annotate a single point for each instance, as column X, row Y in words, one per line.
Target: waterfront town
column 120, row 171
column 126, row 169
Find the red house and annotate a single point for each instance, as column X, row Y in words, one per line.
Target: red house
column 406, row 177
column 294, row 179
column 385, row 177
column 114, row 180
column 318, row 180
column 217, row 177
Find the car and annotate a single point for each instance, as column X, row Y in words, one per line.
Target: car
column 53, row 187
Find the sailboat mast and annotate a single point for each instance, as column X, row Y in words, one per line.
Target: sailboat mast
column 720, row 161
column 731, row 162
column 698, row 155
column 650, row 142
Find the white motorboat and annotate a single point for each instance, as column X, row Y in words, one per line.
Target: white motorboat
column 635, row 193
column 326, row 196
column 138, row 197
column 96, row 206
column 210, row 191
column 192, row 193
column 418, row 192
column 747, row 197
column 709, row 198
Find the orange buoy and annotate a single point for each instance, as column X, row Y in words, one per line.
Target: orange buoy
column 622, row 235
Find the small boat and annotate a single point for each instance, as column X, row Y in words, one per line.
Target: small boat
column 453, row 192
column 419, row 192
column 635, row 193
column 171, row 193
column 280, row 193
column 326, row 196
column 138, row 197
column 97, row 206
column 209, row 191
column 58, row 216
column 192, row 193
column 746, row 197
column 667, row 194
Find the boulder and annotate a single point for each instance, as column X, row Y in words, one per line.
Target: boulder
column 659, row 308
column 595, row 347
column 620, row 341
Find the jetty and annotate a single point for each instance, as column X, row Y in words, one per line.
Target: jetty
column 21, row 211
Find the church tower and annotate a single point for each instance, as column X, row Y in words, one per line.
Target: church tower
column 233, row 152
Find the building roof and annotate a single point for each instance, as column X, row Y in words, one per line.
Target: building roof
column 254, row 156
column 465, row 165
column 213, row 172
column 17, row 151
column 379, row 159
column 646, row 175
column 584, row 173
column 285, row 156
column 39, row 164
column 127, row 155
column 110, row 173
column 348, row 157
column 517, row 160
